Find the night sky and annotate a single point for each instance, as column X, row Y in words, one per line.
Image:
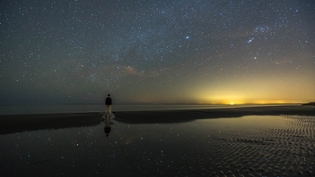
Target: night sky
column 185, row 51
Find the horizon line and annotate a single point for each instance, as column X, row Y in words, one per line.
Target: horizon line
column 227, row 104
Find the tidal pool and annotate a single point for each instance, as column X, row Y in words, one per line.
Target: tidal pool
column 248, row 146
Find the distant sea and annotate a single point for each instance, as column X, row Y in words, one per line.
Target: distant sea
column 52, row 109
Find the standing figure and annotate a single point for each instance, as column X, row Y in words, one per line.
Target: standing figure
column 108, row 103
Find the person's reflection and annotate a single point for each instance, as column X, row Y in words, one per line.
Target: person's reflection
column 107, row 127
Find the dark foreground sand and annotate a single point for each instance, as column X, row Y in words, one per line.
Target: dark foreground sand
column 261, row 141
column 20, row 123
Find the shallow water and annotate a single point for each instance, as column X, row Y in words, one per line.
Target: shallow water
column 249, row 146
column 50, row 109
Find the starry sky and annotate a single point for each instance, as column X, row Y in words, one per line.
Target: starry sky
column 150, row 51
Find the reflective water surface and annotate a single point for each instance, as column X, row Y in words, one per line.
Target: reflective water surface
column 248, row 146
column 50, row 109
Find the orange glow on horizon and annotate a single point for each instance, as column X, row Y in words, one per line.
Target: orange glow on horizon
column 226, row 101
column 261, row 90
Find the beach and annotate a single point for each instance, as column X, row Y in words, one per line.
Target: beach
column 255, row 141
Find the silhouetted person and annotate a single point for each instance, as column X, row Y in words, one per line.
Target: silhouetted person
column 108, row 103
column 107, row 127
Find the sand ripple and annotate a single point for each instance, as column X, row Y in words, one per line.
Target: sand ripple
column 279, row 150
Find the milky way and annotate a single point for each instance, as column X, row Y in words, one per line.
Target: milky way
column 192, row 51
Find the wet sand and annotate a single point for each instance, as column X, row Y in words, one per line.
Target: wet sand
column 21, row 123
column 261, row 141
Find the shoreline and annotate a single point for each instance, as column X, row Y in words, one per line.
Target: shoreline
column 215, row 143
column 32, row 122
column 65, row 109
